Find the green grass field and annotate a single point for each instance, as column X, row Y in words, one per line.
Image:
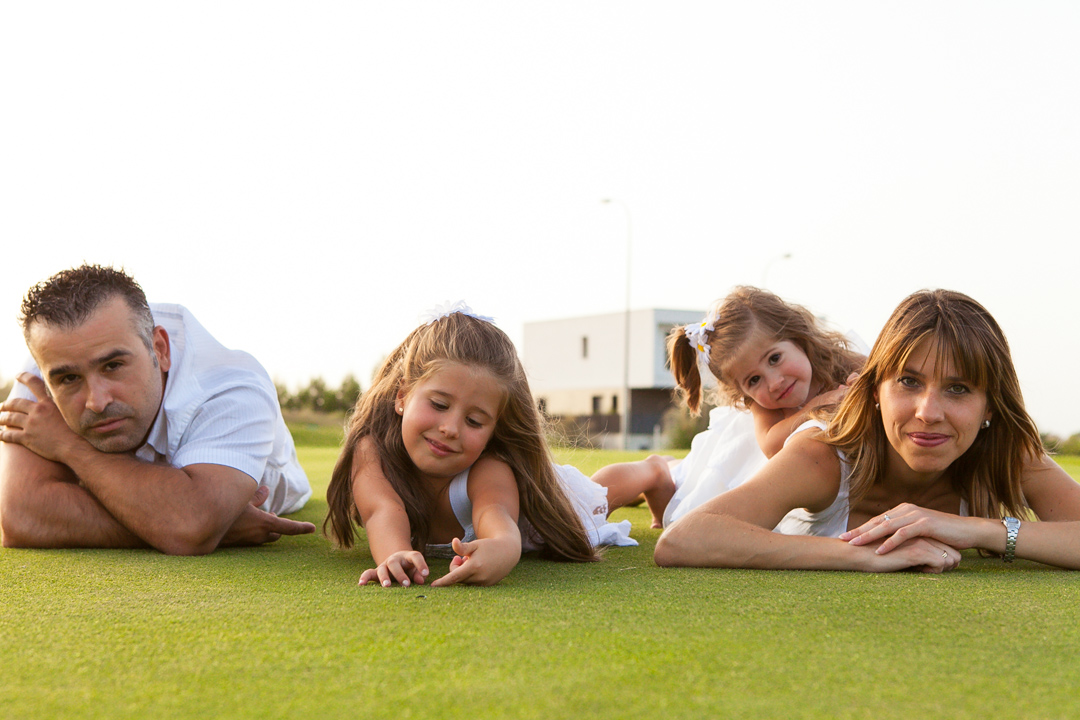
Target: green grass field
column 283, row 631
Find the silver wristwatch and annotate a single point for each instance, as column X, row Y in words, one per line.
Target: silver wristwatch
column 1012, row 529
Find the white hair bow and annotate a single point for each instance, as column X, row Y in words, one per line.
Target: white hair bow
column 698, row 335
column 447, row 308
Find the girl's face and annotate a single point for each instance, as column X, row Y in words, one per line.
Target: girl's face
column 931, row 415
column 447, row 419
column 775, row 374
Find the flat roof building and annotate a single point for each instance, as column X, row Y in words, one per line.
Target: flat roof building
column 579, row 368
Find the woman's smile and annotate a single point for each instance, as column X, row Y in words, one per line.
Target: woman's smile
column 928, row 440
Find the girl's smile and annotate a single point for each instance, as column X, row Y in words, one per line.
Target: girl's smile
column 448, row 418
column 439, row 449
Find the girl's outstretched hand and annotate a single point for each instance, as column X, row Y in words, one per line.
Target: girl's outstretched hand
column 480, row 562
column 906, row 522
column 404, row 566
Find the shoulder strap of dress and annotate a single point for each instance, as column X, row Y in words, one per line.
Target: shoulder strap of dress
column 805, row 426
column 459, row 501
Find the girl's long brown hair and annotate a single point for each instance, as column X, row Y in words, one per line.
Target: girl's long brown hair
column 964, row 334
column 518, row 439
column 735, row 319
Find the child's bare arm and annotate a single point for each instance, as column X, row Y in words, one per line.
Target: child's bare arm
column 772, row 429
column 769, row 429
column 387, row 524
column 497, row 549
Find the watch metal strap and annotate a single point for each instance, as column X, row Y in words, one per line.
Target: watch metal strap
column 1012, row 529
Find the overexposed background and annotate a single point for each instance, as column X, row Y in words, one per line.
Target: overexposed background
column 309, row 178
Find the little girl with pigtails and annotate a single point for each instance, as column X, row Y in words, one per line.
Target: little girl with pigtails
column 773, row 362
column 445, row 456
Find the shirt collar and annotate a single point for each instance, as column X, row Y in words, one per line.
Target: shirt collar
column 156, row 446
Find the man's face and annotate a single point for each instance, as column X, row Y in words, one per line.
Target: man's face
column 106, row 383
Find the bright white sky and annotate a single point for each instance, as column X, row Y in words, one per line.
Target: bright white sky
column 309, row 178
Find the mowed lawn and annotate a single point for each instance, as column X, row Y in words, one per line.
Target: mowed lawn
column 283, row 631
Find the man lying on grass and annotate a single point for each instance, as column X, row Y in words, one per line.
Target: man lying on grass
column 136, row 428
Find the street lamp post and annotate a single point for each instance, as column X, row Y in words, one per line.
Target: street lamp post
column 626, row 346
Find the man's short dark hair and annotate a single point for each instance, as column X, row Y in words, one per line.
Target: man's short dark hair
column 70, row 297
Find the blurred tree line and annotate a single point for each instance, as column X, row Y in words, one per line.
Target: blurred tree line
column 1062, row 446
column 317, row 396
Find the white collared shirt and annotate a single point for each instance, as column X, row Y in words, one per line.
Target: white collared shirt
column 220, row 407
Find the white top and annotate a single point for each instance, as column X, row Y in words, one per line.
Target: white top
column 587, row 498
column 220, row 407
column 833, row 520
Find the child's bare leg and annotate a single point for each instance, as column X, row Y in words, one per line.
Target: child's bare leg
column 626, row 481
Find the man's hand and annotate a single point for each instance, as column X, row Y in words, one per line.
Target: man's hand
column 256, row 527
column 37, row 426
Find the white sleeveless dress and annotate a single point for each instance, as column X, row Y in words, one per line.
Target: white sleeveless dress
column 833, row 520
column 588, row 498
column 733, row 456
column 722, row 457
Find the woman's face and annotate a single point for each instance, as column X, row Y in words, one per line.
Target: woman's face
column 931, row 415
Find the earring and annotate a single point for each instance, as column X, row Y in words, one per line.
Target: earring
column 986, row 424
column 877, row 406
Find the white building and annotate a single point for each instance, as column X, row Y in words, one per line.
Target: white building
column 578, row 369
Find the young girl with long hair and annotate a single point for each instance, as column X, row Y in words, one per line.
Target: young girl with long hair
column 770, row 357
column 445, row 456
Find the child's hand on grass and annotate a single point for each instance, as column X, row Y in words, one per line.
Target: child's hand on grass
column 480, row 562
column 404, row 566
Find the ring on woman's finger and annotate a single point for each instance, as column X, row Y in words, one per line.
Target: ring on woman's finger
column 945, row 554
column 885, row 518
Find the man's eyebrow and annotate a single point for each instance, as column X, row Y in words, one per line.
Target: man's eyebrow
column 110, row 356
column 62, row 370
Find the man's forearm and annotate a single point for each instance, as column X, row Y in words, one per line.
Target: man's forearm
column 41, row 508
column 172, row 509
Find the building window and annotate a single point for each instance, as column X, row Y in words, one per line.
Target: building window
column 596, row 399
column 614, row 404
column 584, row 346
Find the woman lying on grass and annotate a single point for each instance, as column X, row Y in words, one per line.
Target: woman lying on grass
column 931, row 452
column 445, row 456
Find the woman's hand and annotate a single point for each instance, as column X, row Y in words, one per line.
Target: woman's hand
column 404, row 566
column 923, row 554
column 480, row 562
column 906, row 522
